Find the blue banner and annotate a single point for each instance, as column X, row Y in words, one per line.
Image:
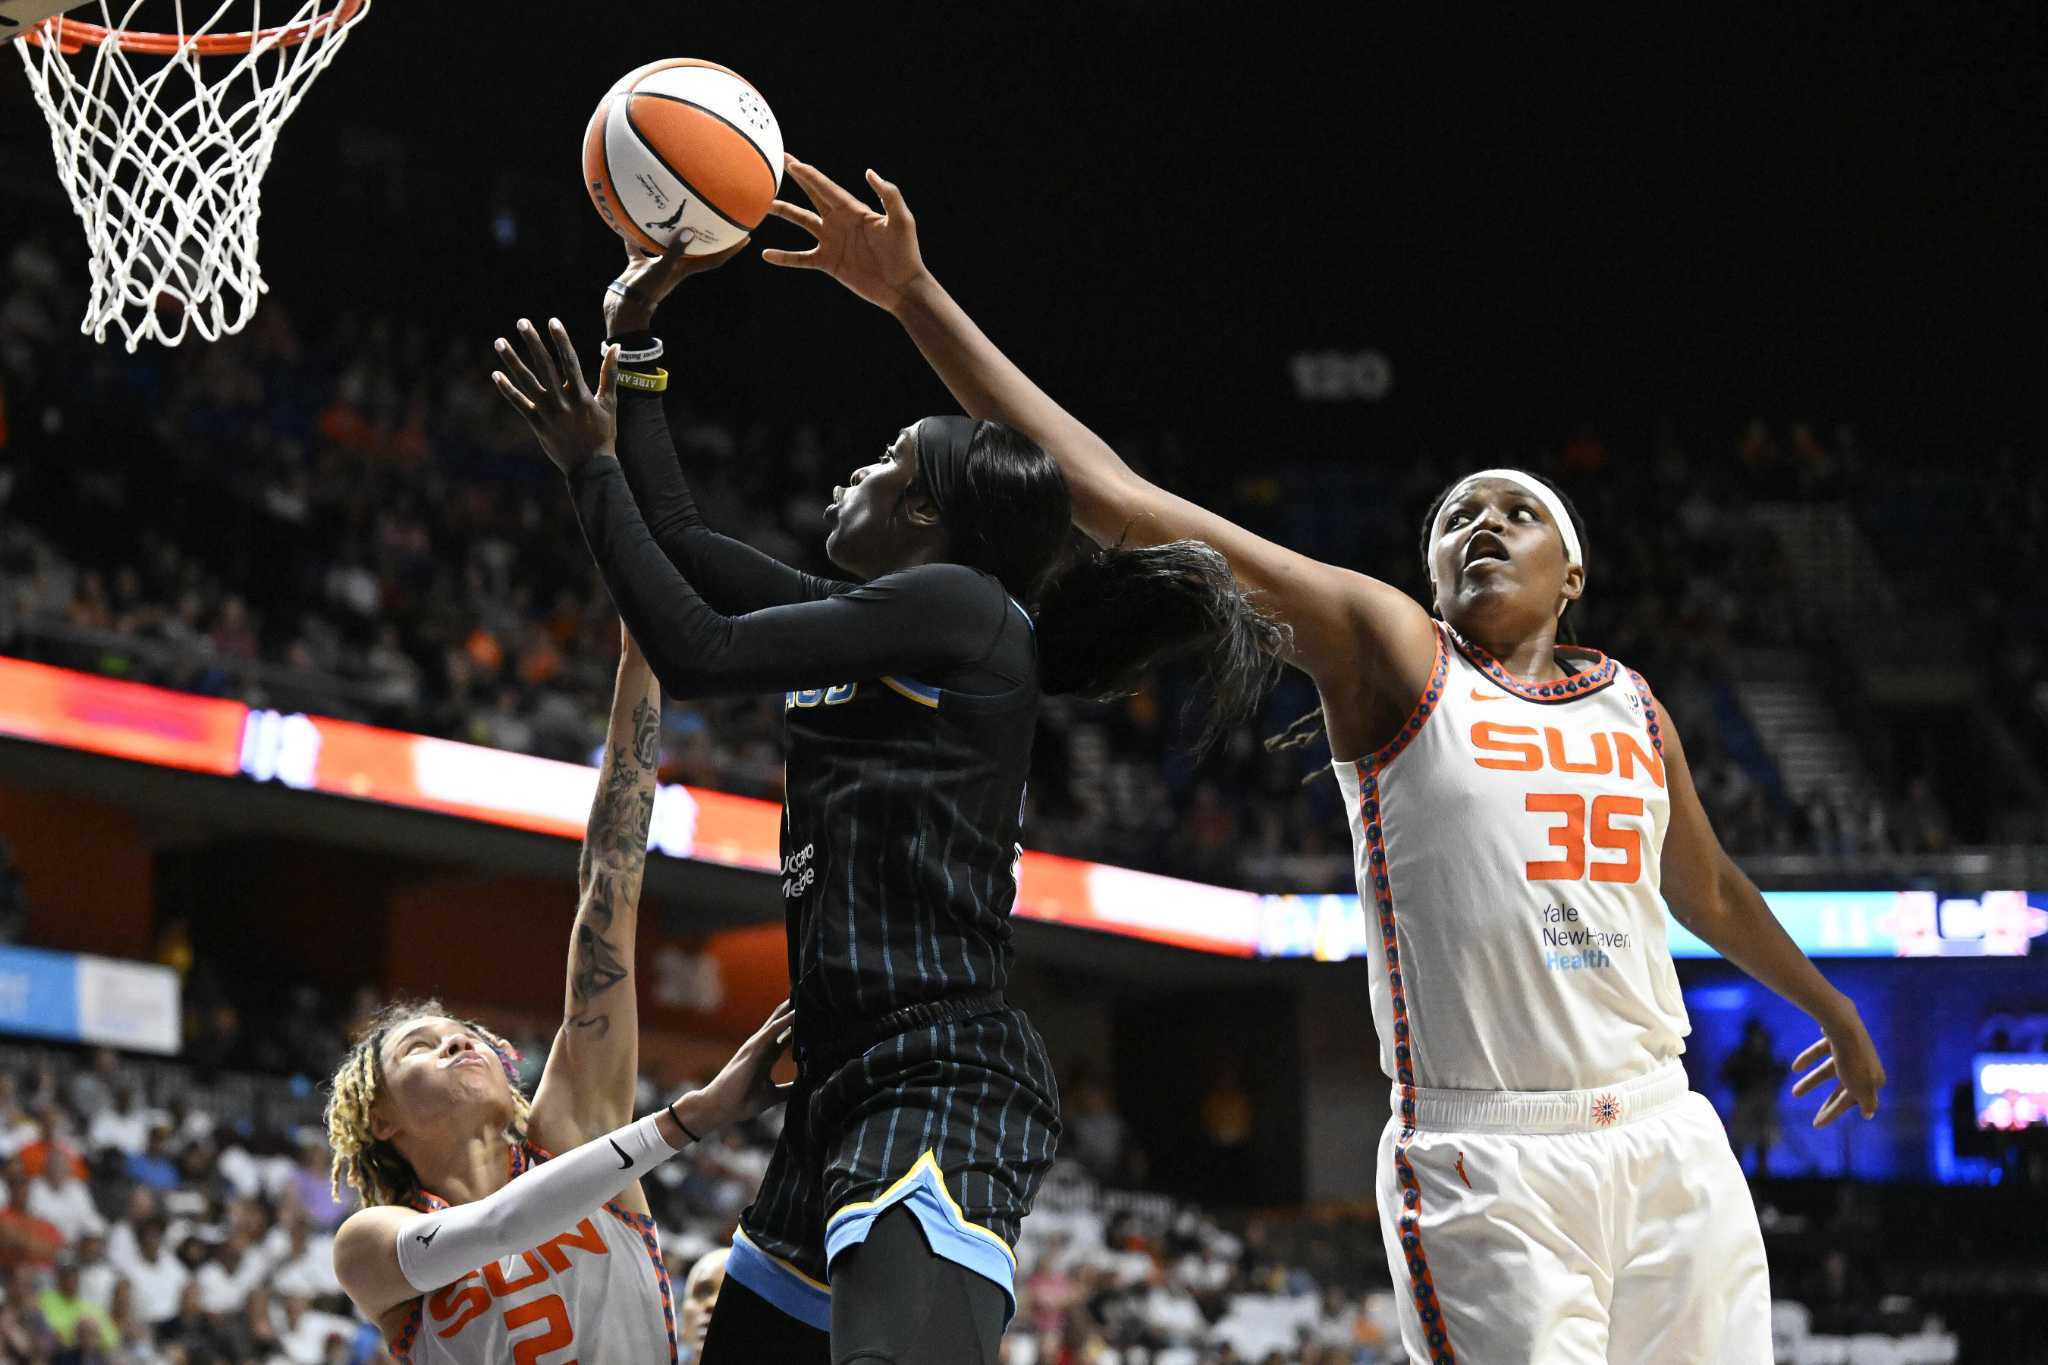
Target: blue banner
column 77, row 998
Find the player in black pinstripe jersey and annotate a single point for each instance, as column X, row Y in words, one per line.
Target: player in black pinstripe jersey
column 925, row 1110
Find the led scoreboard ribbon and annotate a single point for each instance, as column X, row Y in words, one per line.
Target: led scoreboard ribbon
column 366, row 762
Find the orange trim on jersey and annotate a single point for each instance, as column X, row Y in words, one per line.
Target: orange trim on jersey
column 1649, row 713
column 1425, row 707
column 1584, row 684
column 1421, row 1286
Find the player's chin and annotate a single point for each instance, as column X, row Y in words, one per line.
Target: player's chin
column 1490, row 588
column 841, row 549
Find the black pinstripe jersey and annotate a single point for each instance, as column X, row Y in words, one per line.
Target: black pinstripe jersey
column 902, row 829
column 905, row 784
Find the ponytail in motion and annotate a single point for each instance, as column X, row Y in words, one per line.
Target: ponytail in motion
column 1107, row 617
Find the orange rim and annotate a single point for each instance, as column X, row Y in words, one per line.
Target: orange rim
column 74, row 35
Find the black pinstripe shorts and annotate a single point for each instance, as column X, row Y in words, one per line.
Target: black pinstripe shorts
column 956, row 1116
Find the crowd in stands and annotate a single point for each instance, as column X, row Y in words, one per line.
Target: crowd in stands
column 152, row 1215
column 349, row 521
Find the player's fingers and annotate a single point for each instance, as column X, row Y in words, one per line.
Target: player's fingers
column 1813, row 1077
column 537, row 357
column 608, row 374
column 803, row 218
column 823, row 190
column 1815, row 1050
column 565, row 355
column 892, row 198
column 1832, row 1109
column 789, row 165
column 511, row 392
column 802, row 260
column 516, row 367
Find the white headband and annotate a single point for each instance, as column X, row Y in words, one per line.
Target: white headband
column 1543, row 494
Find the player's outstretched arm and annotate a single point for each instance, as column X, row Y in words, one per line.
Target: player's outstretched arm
column 930, row 616
column 385, row 1256
column 1344, row 624
column 1709, row 895
column 733, row 576
column 587, row 1087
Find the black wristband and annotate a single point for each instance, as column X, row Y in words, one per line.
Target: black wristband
column 680, row 1124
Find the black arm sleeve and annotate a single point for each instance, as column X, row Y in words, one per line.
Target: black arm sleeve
column 927, row 619
column 732, row 576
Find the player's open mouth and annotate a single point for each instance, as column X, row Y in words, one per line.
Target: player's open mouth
column 1485, row 548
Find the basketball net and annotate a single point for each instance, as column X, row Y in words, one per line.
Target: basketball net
column 162, row 140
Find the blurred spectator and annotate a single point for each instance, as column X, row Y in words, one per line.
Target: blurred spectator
column 96, row 1278
column 306, row 1266
column 159, row 1277
column 192, row 1330
column 74, row 1320
column 305, row 1332
column 700, row 1296
column 17, row 1128
column 61, row 1198
column 1754, row 1073
column 228, row 1277
column 153, row 1166
column 1094, row 1130
column 25, row 1239
column 124, row 1124
column 92, row 1087
column 51, row 1145
column 311, row 1186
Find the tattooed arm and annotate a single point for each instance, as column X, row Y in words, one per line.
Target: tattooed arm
column 587, row 1088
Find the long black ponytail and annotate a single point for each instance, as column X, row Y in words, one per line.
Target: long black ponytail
column 1108, row 616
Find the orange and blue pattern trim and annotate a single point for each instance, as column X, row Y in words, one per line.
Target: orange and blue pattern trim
column 1420, row 1285
column 1649, row 711
column 1600, row 672
column 527, row 1155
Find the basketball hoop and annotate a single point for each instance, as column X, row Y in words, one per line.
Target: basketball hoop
column 164, row 159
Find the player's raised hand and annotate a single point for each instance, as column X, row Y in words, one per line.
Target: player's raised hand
column 1851, row 1060
column 873, row 254
column 545, row 386
column 630, row 300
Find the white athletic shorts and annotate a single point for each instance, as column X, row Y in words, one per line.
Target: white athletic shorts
column 1571, row 1227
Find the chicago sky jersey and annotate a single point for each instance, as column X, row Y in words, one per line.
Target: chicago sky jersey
column 596, row 1292
column 901, row 834
column 1508, row 846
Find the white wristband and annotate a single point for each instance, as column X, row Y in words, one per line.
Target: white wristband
column 445, row 1245
column 641, row 357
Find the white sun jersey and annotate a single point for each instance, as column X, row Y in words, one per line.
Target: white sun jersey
column 1509, row 844
column 596, row 1292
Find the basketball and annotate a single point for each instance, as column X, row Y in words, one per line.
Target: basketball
column 682, row 143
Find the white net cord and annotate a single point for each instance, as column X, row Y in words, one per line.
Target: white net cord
column 164, row 159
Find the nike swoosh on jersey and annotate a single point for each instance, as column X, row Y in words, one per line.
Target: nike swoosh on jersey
column 1477, row 695
column 625, row 1162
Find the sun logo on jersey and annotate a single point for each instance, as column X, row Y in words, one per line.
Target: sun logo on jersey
column 1606, row 1110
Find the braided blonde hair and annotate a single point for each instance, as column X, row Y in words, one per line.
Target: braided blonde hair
column 375, row 1169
